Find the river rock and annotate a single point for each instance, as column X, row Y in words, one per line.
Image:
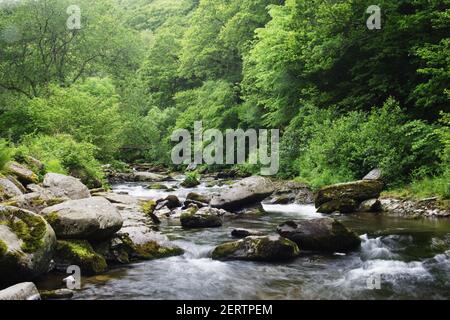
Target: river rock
column 243, row 193
column 346, row 197
column 375, row 174
column 371, row 205
column 323, row 234
column 21, row 291
column 267, row 248
column 27, row 242
column 287, row 192
column 243, row 233
column 198, row 197
column 37, row 200
column 200, row 218
column 79, row 253
column 92, row 218
column 23, row 174
column 8, row 190
column 56, row 294
column 66, row 186
column 148, row 177
column 171, row 202
column 139, row 234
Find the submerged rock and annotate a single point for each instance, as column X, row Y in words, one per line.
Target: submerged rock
column 257, row 249
column 92, row 218
column 243, row 233
column 346, row 197
column 324, row 234
column 56, row 294
column 66, row 186
column 26, row 245
column 21, row 291
column 80, row 253
column 201, row 218
column 243, row 193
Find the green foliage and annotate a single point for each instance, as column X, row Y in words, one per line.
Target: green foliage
column 88, row 111
column 62, row 154
column 192, row 180
column 5, row 154
column 348, row 147
column 43, row 50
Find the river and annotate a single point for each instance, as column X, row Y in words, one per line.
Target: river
column 399, row 259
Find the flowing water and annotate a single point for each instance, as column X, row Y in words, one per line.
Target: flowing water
column 398, row 259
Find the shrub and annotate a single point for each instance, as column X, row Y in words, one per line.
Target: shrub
column 346, row 148
column 62, row 154
column 5, row 153
column 88, row 111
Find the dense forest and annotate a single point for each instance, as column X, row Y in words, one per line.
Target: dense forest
column 346, row 99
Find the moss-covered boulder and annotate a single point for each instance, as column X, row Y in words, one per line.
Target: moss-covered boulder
column 153, row 250
column 371, row 205
column 243, row 193
column 8, row 190
column 323, row 234
column 266, row 248
column 190, row 182
column 80, row 253
column 27, row 243
column 22, row 173
column 338, row 205
column 92, row 218
column 193, row 218
column 198, row 197
column 341, row 197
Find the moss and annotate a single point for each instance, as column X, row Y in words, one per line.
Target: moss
column 148, row 207
column 52, row 217
column 29, row 228
column 3, row 248
column 157, row 186
column 224, row 250
column 152, row 250
column 80, row 253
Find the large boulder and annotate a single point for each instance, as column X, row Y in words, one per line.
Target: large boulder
column 201, row 218
column 23, row 174
column 243, row 193
column 37, row 200
column 26, row 245
column 93, row 218
column 323, row 234
column 21, row 291
column 8, row 190
column 266, row 248
column 79, row 253
column 137, row 240
column 345, row 197
column 66, row 186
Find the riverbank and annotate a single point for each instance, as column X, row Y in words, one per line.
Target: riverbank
column 155, row 216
